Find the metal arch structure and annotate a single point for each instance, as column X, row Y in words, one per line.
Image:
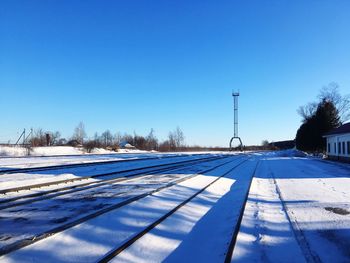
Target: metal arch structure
column 235, row 134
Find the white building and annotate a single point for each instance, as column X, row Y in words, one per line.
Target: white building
column 338, row 143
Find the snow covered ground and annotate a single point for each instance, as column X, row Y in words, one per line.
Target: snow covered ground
column 297, row 210
column 19, row 179
column 57, row 150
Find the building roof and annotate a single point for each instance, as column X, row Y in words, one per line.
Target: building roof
column 345, row 128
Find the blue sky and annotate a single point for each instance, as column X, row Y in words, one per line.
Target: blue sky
column 135, row 65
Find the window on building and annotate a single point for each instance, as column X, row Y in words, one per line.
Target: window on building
column 348, row 144
column 328, row 147
column 335, row 148
column 339, row 147
column 343, row 147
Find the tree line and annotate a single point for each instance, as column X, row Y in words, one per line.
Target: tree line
column 174, row 142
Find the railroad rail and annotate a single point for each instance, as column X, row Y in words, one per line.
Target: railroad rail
column 25, row 242
column 137, row 236
column 30, row 198
column 228, row 257
column 75, row 165
column 64, row 181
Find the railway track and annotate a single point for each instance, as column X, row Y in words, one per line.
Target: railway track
column 119, row 249
column 127, row 200
column 64, row 181
column 76, row 165
column 137, row 173
column 228, row 257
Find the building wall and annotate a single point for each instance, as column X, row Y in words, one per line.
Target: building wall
column 338, row 145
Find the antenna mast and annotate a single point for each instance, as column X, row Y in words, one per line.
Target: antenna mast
column 235, row 96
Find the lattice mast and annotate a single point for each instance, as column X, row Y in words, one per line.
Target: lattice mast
column 235, row 96
column 235, row 108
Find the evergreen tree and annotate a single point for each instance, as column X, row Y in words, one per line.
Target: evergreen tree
column 325, row 118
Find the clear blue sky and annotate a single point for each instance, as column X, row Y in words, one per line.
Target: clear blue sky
column 135, row 65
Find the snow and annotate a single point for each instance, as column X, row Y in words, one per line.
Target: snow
column 101, row 234
column 188, row 234
column 265, row 232
column 303, row 224
column 298, row 210
column 58, row 150
column 40, row 151
column 24, row 179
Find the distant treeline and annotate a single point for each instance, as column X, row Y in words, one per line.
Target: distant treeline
column 107, row 140
column 175, row 140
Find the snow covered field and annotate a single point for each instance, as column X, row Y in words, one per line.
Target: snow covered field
column 267, row 207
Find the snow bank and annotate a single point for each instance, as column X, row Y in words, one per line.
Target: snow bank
column 12, row 151
column 131, row 151
column 101, row 151
column 56, row 150
column 283, row 153
column 49, row 150
column 292, row 153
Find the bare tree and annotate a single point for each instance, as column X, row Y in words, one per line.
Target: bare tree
column 140, row 142
column 329, row 93
column 342, row 103
column 107, row 138
column 307, row 111
column 171, row 141
column 118, row 139
column 165, row 146
column 128, row 138
column 176, row 139
column 39, row 138
column 55, row 137
column 96, row 137
column 179, row 137
column 79, row 133
column 152, row 141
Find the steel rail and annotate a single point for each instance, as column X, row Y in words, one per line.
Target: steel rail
column 28, row 241
column 85, row 164
column 228, row 257
column 28, row 187
column 10, row 202
column 137, row 236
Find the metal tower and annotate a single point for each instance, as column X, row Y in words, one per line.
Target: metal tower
column 235, row 108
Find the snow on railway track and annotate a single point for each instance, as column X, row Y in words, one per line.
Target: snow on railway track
column 258, row 207
column 205, row 223
column 7, row 170
column 24, row 162
column 130, row 174
column 24, row 181
column 116, row 198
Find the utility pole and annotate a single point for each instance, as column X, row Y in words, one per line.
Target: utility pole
column 235, row 96
column 24, row 136
column 31, row 136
